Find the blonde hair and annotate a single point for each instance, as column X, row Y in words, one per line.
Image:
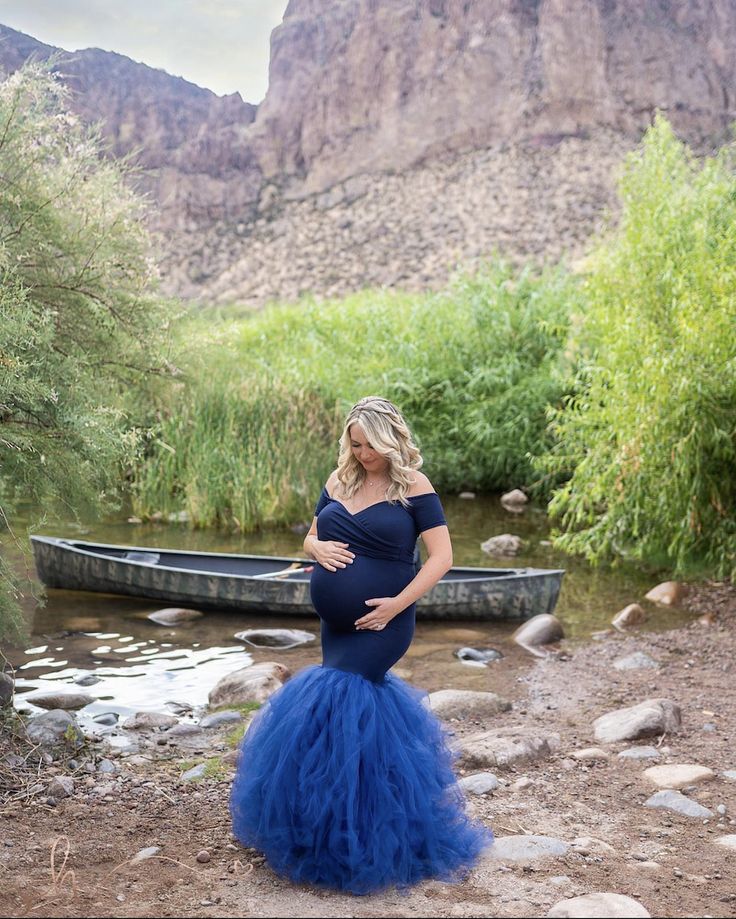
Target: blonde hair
column 389, row 435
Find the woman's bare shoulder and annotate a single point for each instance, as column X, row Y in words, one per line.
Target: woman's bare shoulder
column 420, row 486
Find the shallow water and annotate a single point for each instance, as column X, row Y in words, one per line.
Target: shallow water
column 143, row 666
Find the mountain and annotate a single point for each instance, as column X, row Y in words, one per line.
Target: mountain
column 398, row 140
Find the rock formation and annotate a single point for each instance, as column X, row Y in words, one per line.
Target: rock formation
column 400, row 140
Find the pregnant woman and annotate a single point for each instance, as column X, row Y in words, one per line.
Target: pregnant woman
column 345, row 778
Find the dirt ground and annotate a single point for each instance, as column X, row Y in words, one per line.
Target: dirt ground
column 667, row 862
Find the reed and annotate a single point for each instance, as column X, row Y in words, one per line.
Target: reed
column 253, row 433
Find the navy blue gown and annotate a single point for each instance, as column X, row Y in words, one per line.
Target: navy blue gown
column 345, row 777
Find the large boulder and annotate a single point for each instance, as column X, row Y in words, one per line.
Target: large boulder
column 669, row 593
column 653, row 716
column 55, row 729
column 249, row 684
column 6, row 689
column 544, row 629
column 505, row 747
column 68, row 701
column 505, row 544
column 464, row 703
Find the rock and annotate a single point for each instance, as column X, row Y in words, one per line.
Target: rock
column 639, row 753
column 505, row 544
column 249, row 684
column 67, row 701
column 628, row 617
column 729, row 842
column 653, row 716
column 602, row 634
column 465, row 703
column 195, row 773
column 149, row 721
column 217, row 719
column 106, row 718
column 587, row 845
column 526, row 848
column 730, row 774
column 7, row 686
column 467, row 495
column 55, row 729
column 678, row 776
column 61, row 786
column 203, row 856
column 521, row 784
column 173, row 615
column 590, row 753
column 479, row 784
column 636, row 661
column 668, row 593
column 178, row 708
column 598, row 906
column 514, row 500
column 677, row 802
column 478, row 655
column 144, row 854
column 275, row 638
column 87, row 679
column 505, row 747
column 107, row 767
column 184, row 729
column 543, row 629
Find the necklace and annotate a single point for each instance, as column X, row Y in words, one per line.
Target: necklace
column 376, row 482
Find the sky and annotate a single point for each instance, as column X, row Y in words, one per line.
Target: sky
column 222, row 45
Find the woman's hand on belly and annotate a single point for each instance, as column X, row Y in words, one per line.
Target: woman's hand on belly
column 331, row 554
column 384, row 610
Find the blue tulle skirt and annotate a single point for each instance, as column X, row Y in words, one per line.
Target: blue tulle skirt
column 347, row 783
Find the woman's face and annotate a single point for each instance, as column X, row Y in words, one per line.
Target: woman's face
column 371, row 461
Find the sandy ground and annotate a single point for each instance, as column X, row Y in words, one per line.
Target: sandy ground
column 669, row 863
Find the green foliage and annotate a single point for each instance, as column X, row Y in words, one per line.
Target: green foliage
column 648, row 436
column 254, row 433
column 80, row 329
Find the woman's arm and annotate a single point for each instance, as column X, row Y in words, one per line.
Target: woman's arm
column 439, row 562
column 328, row 553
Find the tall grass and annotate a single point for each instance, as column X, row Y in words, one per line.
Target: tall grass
column 254, row 432
column 648, row 439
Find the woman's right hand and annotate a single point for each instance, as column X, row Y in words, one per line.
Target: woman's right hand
column 331, row 554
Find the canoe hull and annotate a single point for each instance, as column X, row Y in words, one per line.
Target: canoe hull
column 504, row 594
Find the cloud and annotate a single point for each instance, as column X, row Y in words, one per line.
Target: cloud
column 220, row 44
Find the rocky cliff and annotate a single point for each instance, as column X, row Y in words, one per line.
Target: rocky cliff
column 400, row 139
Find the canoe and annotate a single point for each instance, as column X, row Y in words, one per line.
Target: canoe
column 274, row 584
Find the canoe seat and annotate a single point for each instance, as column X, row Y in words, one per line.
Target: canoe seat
column 148, row 558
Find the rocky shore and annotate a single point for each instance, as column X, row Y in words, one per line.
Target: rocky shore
column 606, row 770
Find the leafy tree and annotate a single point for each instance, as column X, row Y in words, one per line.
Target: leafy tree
column 648, row 437
column 82, row 330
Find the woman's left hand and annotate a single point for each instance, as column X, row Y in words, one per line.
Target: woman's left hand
column 384, row 610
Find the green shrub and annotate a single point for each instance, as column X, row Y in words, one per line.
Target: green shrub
column 647, row 438
column 254, row 433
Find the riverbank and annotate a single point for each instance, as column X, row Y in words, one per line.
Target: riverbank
column 592, row 806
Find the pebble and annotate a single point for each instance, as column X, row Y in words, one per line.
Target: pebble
column 678, row 776
column 636, row 661
column 728, row 841
column 203, row 856
column 480, row 783
column 148, row 852
column 196, row 772
column 653, row 716
column 590, row 753
column 598, row 906
column 526, row 848
column 677, row 802
column 217, row 719
column 639, row 753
